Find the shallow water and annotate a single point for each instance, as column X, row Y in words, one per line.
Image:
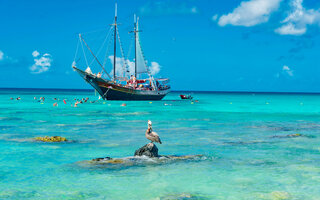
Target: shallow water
column 234, row 131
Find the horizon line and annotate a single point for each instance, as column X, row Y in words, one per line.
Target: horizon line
column 186, row 91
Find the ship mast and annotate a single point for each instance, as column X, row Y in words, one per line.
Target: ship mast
column 135, row 45
column 115, row 43
column 135, row 31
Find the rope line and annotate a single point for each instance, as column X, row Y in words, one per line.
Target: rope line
column 75, row 55
column 107, row 50
column 84, row 54
column 99, row 51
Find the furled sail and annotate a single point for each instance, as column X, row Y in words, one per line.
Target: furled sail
column 88, row 70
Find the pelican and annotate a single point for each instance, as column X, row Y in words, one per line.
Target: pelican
column 152, row 136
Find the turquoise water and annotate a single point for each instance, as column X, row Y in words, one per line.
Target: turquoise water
column 234, row 131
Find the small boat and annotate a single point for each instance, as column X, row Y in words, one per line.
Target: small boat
column 185, row 96
column 127, row 80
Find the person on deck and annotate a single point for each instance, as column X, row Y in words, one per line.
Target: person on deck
column 130, row 80
column 134, row 82
column 150, row 86
column 99, row 75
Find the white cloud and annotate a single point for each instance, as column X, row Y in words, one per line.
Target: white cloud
column 287, row 70
column 154, row 68
column 5, row 59
column 42, row 63
column 250, row 13
column 1, row 55
column 214, row 17
column 298, row 19
column 35, row 53
column 121, row 70
column 291, row 29
column 194, row 10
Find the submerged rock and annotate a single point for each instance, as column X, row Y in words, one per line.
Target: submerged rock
column 292, row 136
column 78, row 195
column 183, row 196
column 146, row 155
column 149, row 150
column 118, row 163
column 101, row 159
column 244, row 143
column 17, row 194
column 280, row 195
column 51, row 139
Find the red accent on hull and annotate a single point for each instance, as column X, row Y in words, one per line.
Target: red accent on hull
column 185, row 97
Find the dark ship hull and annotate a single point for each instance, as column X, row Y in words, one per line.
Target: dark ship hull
column 112, row 91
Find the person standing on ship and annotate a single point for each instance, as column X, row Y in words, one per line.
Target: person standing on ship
column 134, row 82
column 130, row 81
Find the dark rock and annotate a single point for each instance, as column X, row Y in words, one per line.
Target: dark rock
column 149, row 150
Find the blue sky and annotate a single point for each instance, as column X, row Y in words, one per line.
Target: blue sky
column 233, row 45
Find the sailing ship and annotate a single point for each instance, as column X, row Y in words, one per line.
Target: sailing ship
column 130, row 84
